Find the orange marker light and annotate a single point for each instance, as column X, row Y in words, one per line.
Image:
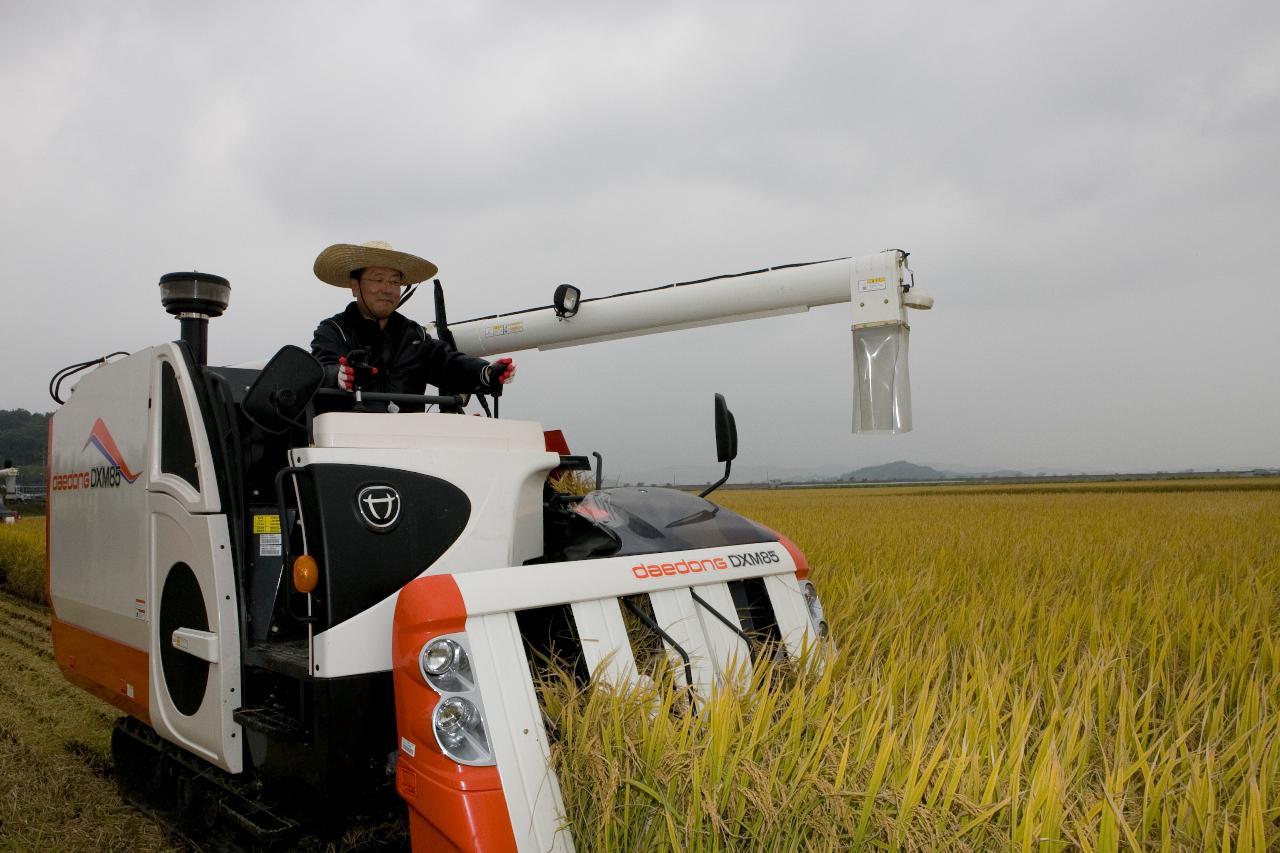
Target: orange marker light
column 305, row 573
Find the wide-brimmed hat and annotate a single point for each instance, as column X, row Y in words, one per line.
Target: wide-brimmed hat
column 335, row 264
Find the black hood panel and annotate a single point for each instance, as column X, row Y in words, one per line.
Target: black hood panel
column 648, row 520
column 360, row 566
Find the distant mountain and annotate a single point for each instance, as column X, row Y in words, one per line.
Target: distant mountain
column 700, row 474
column 899, row 471
column 893, row 472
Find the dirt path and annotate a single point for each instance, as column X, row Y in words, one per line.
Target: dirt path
column 56, row 786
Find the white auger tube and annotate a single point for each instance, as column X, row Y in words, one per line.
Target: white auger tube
column 879, row 287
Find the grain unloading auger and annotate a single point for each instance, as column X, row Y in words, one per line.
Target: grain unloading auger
column 302, row 611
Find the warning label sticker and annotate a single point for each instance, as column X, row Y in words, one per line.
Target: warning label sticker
column 500, row 329
column 269, row 545
column 865, row 285
column 266, row 524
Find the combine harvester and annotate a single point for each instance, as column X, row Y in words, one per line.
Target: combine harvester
column 303, row 610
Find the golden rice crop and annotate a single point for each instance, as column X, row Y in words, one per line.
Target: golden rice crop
column 22, row 558
column 1087, row 670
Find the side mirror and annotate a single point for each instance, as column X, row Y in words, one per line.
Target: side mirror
column 283, row 389
column 726, row 443
column 726, row 432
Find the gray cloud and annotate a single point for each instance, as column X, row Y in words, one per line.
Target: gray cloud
column 1089, row 190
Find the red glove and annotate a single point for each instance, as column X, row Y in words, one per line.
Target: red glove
column 501, row 371
column 347, row 374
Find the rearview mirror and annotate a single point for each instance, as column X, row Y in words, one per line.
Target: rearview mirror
column 726, row 432
column 283, row 389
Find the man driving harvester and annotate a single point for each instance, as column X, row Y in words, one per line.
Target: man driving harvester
column 373, row 347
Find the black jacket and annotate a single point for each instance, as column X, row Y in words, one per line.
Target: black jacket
column 406, row 357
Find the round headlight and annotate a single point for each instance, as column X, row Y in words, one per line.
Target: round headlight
column 814, row 605
column 439, row 656
column 453, row 715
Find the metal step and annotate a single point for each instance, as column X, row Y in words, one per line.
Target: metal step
column 287, row 657
column 272, row 721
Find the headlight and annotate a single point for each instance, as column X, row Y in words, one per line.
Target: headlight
column 439, row 656
column 453, row 716
column 460, row 732
column 445, row 666
column 457, row 721
column 814, row 605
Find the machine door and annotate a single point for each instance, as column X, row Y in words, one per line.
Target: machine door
column 195, row 631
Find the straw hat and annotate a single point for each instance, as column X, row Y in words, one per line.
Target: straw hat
column 335, row 264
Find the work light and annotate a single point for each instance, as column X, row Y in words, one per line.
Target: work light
column 565, row 300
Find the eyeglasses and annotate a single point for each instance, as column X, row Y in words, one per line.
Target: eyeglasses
column 381, row 282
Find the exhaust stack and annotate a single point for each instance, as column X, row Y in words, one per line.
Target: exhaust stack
column 194, row 298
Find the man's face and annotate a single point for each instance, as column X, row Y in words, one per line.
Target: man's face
column 377, row 292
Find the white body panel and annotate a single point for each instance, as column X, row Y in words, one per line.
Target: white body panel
column 715, row 650
column 123, row 522
column 98, row 571
column 675, row 611
column 517, row 734
column 499, row 464
column 540, row 585
column 203, row 543
column 428, row 430
column 603, row 636
column 728, row 651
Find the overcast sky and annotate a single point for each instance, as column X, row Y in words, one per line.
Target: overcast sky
column 1090, row 190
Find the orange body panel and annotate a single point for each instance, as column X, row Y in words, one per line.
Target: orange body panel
column 802, row 564
column 451, row 806
column 108, row 669
column 554, row 441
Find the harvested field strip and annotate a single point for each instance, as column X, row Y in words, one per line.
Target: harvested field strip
column 57, row 782
column 56, row 785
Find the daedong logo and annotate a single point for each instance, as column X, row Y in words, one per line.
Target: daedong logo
column 101, row 476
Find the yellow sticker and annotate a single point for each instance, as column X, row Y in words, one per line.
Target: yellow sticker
column 266, row 524
column 504, row 329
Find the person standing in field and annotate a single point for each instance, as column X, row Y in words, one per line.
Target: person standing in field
column 372, row 346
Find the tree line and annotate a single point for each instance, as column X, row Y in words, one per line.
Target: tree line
column 23, row 438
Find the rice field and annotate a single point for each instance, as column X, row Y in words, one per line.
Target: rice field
column 22, row 558
column 1015, row 668
column 1090, row 669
